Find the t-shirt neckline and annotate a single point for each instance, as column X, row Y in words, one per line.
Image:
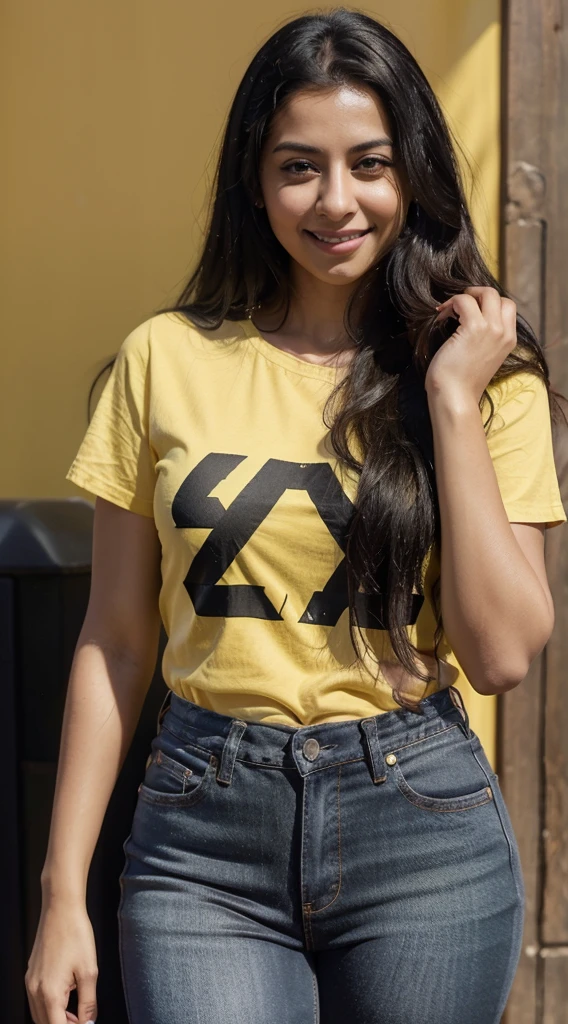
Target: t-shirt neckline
column 286, row 359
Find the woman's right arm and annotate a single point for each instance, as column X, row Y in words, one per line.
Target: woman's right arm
column 112, row 669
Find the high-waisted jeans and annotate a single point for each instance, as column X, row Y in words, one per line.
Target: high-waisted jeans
column 359, row 871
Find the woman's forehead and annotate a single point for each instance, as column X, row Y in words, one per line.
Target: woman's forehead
column 353, row 111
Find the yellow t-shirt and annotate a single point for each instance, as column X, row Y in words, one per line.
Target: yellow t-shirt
column 219, row 436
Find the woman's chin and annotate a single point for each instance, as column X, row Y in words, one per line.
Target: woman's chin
column 342, row 273
column 339, row 272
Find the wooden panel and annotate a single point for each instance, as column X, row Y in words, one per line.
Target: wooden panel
column 555, row 978
column 532, row 718
column 555, row 127
column 519, row 775
column 554, row 926
column 521, row 263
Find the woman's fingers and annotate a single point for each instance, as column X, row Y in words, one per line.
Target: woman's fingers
column 463, row 307
column 497, row 312
column 63, row 958
column 486, row 334
column 87, row 998
column 509, row 314
column 46, row 1008
column 490, row 304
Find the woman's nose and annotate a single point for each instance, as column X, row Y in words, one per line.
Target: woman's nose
column 335, row 199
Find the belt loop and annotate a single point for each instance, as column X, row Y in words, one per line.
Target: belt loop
column 230, row 751
column 163, row 708
column 458, row 702
column 378, row 766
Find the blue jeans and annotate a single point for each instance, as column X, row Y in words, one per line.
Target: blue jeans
column 361, row 870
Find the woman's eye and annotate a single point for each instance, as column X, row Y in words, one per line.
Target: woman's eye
column 302, row 164
column 374, row 161
column 300, row 167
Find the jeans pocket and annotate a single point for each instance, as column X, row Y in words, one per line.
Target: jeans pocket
column 440, row 772
column 177, row 773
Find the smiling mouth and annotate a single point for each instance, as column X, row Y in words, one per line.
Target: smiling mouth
column 335, row 239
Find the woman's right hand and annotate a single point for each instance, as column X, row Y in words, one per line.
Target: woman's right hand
column 63, row 958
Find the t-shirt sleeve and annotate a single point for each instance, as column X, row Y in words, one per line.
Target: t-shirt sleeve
column 115, row 459
column 520, row 444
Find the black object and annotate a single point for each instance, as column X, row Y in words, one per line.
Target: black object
column 45, row 567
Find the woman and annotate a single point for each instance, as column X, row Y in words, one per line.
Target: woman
column 342, row 392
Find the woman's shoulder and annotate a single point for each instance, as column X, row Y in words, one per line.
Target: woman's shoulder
column 514, row 383
column 170, row 331
column 521, row 411
column 516, row 393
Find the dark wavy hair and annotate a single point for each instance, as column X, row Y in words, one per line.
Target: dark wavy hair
column 381, row 402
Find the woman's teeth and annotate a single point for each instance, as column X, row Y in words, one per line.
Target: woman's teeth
column 339, row 238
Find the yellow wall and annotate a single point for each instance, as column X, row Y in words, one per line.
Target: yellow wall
column 112, row 114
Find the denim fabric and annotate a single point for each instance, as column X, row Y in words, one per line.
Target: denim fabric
column 361, row 870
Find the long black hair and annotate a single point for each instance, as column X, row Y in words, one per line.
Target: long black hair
column 380, row 403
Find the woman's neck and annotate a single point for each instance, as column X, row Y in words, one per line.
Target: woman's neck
column 314, row 323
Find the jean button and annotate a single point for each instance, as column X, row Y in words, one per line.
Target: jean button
column 311, row 749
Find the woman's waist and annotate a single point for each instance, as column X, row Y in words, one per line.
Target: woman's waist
column 326, row 742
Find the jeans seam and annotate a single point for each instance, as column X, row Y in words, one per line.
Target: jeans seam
column 318, row 910
column 306, row 906
column 515, row 953
column 450, row 810
column 308, row 925
column 512, row 852
column 185, row 799
column 120, row 939
column 316, row 997
column 261, row 764
column 337, row 764
column 292, row 768
column 424, row 738
column 427, row 803
column 187, row 742
column 173, row 767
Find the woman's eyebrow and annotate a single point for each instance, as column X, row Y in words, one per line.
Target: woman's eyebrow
column 304, row 148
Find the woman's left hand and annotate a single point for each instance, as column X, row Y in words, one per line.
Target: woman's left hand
column 466, row 362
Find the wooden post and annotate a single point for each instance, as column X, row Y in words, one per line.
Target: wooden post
column 533, row 719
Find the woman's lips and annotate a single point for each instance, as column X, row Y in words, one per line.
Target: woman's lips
column 338, row 247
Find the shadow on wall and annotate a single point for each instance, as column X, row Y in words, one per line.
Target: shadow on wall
column 45, row 553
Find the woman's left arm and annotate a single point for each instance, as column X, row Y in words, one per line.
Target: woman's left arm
column 496, row 604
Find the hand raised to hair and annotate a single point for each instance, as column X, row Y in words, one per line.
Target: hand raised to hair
column 487, row 332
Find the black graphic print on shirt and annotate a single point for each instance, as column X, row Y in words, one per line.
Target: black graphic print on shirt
column 232, row 527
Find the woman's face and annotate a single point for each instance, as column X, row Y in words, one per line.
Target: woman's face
column 327, row 169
